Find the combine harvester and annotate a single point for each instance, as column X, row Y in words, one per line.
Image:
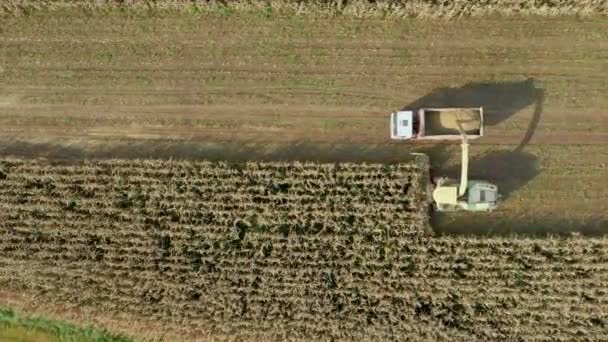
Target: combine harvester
column 449, row 124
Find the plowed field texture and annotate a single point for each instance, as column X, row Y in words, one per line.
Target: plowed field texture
column 286, row 210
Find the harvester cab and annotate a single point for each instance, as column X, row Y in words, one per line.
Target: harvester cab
column 473, row 195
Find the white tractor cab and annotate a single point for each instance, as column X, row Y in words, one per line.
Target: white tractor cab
column 450, row 124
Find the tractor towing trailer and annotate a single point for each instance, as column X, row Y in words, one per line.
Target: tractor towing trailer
column 437, row 124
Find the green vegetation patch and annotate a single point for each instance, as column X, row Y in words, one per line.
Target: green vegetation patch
column 323, row 8
column 19, row 328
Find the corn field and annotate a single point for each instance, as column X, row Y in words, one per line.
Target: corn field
column 284, row 251
column 329, row 8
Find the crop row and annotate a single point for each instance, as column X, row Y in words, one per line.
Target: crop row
column 286, row 264
column 274, row 196
column 329, row 8
column 301, row 281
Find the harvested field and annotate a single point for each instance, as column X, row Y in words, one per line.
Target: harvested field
column 247, row 250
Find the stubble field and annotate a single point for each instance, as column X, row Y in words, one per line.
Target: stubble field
column 77, row 85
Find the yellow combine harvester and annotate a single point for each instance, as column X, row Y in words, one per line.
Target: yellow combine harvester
column 449, row 124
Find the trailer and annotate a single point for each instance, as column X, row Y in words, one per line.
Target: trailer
column 437, row 124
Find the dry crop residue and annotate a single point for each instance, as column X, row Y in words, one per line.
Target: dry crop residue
column 353, row 8
column 283, row 250
column 231, row 245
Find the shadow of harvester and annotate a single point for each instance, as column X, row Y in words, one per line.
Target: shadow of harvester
column 510, row 170
column 500, row 100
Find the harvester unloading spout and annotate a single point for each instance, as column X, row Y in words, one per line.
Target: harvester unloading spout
column 464, row 171
column 471, row 195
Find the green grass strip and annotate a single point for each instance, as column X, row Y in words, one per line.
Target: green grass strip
column 20, row 328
